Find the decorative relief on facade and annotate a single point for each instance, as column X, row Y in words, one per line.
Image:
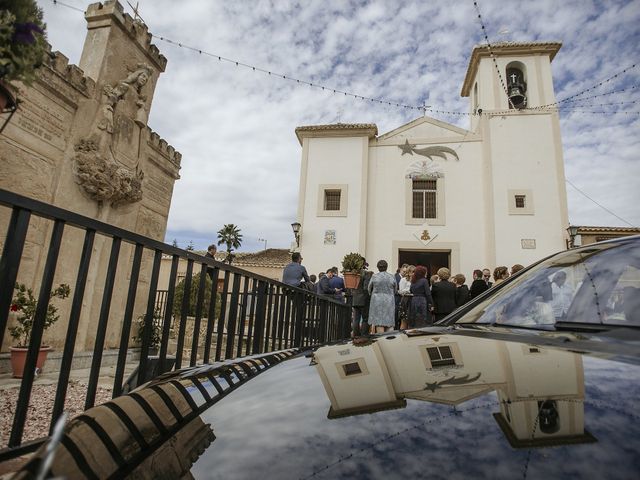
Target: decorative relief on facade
column 329, row 237
column 424, row 169
column 97, row 171
column 428, row 152
column 150, row 225
column 104, row 180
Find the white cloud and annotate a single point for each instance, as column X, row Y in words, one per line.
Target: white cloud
column 235, row 127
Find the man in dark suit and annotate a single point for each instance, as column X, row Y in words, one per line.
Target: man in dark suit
column 478, row 285
column 486, row 276
column 443, row 294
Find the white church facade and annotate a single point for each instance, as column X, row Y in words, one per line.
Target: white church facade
column 434, row 194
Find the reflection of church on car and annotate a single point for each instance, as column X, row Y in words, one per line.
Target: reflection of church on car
column 540, row 390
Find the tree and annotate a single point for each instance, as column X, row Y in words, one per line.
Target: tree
column 191, row 247
column 174, row 243
column 193, row 297
column 230, row 236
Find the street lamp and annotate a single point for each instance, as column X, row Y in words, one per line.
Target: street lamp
column 265, row 242
column 296, row 232
column 572, row 230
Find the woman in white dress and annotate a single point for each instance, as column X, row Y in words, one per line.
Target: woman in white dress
column 382, row 308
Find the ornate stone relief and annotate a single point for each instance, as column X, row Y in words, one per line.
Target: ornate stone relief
column 424, row 169
column 104, row 180
column 97, row 171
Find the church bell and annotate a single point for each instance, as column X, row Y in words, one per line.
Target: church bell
column 516, row 88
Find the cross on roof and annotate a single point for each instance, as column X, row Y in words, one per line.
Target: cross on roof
column 136, row 15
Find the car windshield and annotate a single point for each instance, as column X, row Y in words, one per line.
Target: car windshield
column 597, row 284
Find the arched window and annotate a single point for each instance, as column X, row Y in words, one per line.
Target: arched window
column 516, row 85
column 475, row 98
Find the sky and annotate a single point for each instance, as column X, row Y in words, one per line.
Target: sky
column 235, row 126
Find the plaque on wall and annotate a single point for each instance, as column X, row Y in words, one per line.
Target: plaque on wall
column 528, row 243
column 329, row 237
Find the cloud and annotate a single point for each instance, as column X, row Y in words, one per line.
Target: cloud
column 235, row 127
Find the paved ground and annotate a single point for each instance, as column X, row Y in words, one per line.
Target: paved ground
column 41, row 403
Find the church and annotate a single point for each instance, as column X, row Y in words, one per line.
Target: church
column 431, row 193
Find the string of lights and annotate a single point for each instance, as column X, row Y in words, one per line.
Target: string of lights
column 586, row 90
column 601, row 206
column 604, row 94
column 579, row 105
column 56, row 2
column 607, row 112
column 423, row 108
column 495, row 62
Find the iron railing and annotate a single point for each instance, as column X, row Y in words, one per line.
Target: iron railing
column 250, row 315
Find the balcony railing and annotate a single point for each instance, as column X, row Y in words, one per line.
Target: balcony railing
column 249, row 314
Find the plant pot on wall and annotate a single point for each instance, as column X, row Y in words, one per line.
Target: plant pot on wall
column 19, row 358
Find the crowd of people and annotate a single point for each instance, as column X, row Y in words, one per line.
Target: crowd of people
column 383, row 301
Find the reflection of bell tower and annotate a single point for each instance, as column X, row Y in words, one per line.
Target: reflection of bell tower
column 537, row 408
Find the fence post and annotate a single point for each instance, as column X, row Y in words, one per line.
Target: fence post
column 261, row 308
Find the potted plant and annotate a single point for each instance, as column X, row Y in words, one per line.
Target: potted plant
column 352, row 265
column 22, row 45
column 24, row 304
column 156, row 332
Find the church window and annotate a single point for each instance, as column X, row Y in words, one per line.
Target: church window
column 425, row 198
column 351, row 368
column 332, row 200
column 441, row 356
column 521, row 202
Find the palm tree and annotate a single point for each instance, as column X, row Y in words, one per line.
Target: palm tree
column 230, row 236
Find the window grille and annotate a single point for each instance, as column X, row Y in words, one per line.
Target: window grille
column 351, row 368
column 424, row 198
column 332, row 200
column 520, row 201
column 440, row 356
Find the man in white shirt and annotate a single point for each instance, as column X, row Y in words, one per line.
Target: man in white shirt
column 561, row 295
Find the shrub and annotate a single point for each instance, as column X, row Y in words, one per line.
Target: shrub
column 193, row 297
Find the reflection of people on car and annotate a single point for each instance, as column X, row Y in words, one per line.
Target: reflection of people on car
column 529, row 309
column 631, row 304
column 562, row 294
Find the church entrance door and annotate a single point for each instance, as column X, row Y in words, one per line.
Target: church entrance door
column 430, row 259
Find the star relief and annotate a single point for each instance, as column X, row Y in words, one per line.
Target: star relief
column 407, row 147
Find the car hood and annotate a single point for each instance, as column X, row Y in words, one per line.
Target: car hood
column 442, row 405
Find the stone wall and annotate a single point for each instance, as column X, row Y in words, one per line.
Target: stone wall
column 80, row 140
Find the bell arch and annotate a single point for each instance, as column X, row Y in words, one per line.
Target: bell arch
column 516, row 73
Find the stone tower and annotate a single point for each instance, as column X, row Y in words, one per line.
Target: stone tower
column 80, row 140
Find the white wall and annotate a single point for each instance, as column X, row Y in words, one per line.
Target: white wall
column 333, row 160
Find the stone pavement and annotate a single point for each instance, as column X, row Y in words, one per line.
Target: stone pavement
column 41, row 403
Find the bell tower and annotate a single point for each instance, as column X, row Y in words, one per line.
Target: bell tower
column 509, row 87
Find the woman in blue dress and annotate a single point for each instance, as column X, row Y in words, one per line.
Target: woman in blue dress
column 421, row 302
column 382, row 308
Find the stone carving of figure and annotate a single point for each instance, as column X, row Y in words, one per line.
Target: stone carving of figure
column 111, row 95
column 95, row 166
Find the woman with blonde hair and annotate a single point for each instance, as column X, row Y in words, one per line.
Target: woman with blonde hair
column 405, row 295
column 444, row 295
column 500, row 274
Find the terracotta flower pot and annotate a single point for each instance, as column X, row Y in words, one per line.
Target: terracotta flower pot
column 351, row 279
column 19, row 358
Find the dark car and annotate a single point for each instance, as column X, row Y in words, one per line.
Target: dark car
column 531, row 380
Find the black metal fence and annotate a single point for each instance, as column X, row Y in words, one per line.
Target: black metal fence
column 247, row 314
